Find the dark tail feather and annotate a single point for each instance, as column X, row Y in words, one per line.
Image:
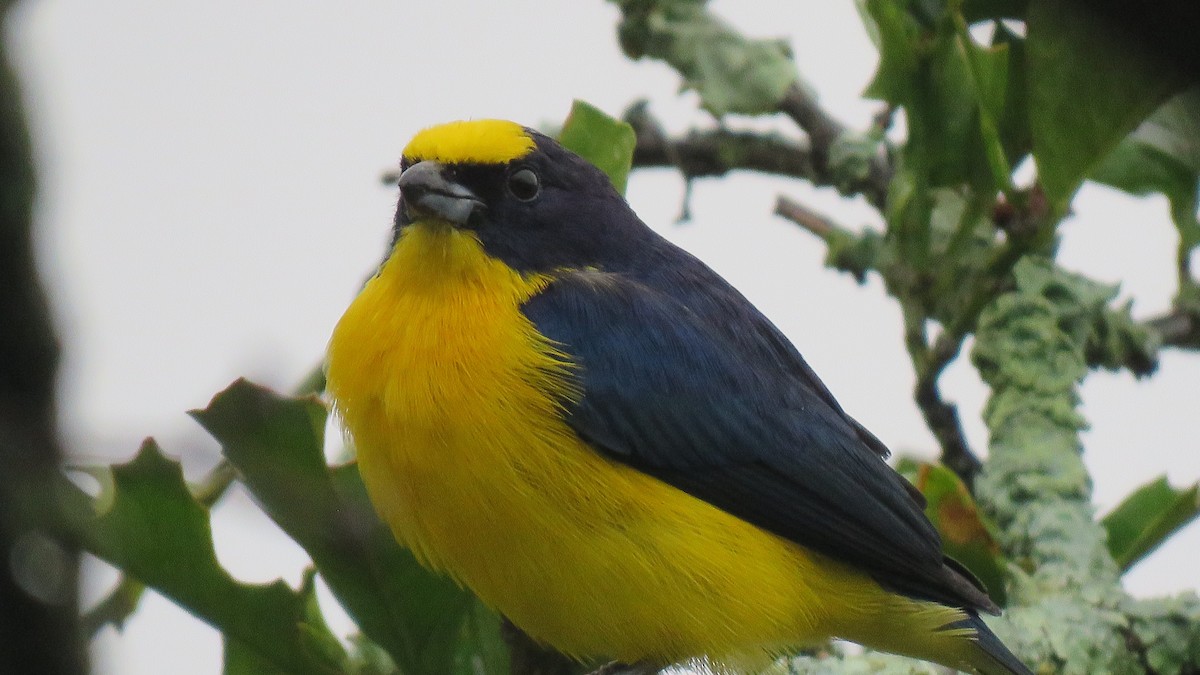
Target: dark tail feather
column 993, row 658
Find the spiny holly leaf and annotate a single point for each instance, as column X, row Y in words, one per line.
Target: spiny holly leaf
column 602, row 140
column 152, row 528
column 1091, row 83
column 966, row 535
column 277, row 445
column 241, row 660
column 1147, row 518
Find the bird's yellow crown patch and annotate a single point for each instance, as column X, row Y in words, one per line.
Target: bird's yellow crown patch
column 473, row 141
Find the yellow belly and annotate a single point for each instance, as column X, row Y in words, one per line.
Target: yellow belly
column 453, row 401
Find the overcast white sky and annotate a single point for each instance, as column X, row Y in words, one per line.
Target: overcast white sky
column 210, row 204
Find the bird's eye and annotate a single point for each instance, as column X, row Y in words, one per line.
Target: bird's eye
column 524, row 184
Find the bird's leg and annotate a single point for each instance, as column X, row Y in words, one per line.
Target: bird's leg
column 618, row 668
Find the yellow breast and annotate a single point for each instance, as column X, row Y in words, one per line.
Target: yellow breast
column 438, row 377
column 454, row 401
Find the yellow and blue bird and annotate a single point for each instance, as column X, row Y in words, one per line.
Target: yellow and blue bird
column 607, row 443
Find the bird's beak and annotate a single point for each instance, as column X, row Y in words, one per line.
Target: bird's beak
column 429, row 195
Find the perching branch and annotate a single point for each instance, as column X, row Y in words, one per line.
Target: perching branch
column 1067, row 606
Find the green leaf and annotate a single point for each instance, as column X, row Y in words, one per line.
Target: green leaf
column 277, row 444
column 1147, row 518
column 151, row 527
column 952, row 91
column 602, row 140
column 978, row 10
column 482, row 648
column 966, row 535
column 1163, row 156
column 989, row 72
column 1012, row 117
column 240, row 660
column 1091, row 83
column 368, row 658
column 120, row 603
column 899, row 37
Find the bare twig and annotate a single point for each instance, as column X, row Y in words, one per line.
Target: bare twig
column 942, row 416
column 805, row 217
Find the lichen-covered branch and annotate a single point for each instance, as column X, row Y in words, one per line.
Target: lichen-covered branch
column 716, row 152
column 1067, row 609
column 1118, row 341
column 1164, row 633
column 736, row 74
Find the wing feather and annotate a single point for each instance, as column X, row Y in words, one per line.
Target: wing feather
column 683, row 379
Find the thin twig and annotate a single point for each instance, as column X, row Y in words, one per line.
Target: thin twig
column 942, row 416
column 822, row 129
column 805, row 217
column 719, row 151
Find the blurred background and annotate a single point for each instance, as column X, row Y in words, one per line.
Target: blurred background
column 210, row 201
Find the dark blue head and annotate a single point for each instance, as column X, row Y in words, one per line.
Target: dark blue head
column 532, row 203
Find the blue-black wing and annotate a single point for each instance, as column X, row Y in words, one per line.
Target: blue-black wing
column 683, row 379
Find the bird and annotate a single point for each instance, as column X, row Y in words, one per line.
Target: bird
column 608, row 444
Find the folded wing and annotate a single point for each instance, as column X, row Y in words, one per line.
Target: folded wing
column 696, row 388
